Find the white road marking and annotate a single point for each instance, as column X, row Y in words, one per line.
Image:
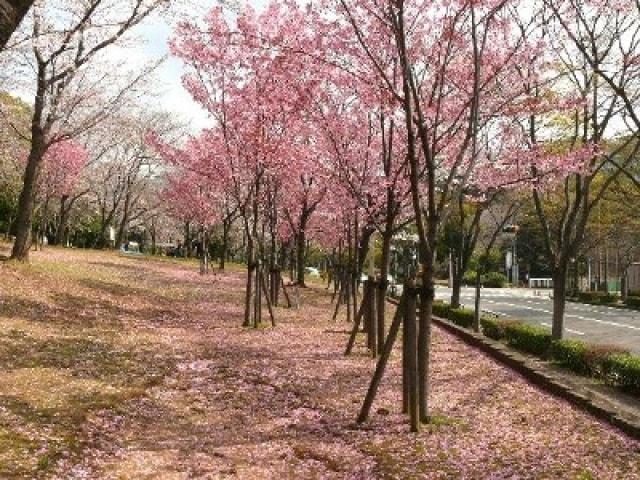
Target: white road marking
column 577, row 306
column 567, row 329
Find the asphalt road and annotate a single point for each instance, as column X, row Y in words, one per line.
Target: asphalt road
column 598, row 324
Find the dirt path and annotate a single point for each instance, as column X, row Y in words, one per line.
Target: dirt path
column 139, row 370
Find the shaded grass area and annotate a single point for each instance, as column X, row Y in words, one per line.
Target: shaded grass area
column 68, row 350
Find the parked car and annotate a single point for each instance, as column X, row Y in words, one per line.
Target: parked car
column 390, row 279
column 312, row 271
column 130, row 248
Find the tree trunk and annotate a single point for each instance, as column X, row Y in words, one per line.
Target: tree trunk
column 559, row 276
column 11, row 14
column 225, row 244
column 187, row 240
column 363, row 249
column 456, row 284
column 153, row 238
column 476, row 312
column 300, row 251
column 62, row 221
column 26, row 202
column 424, row 339
column 383, row 286
column 124, row 221
column 248, row 292
column 37, row 150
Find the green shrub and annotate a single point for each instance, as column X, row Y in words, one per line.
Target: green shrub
column 632, row 301
column 598, row 297
column 494, row 280
column 623, row 369
column 610, row 298
column 441, row 309
column 570, row 354
column 584, row 358
column 527, row 338
column 469, row 277
column 461, row 316
column 492, row 327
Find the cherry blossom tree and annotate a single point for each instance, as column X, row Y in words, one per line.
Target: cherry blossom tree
column 65, row 51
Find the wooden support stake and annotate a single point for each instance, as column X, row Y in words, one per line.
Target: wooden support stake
column 257, row 304
column 410, row 330
column 273, row 320
column 405, row 371
column 381, row 294
column 340, row 296
column 373, row 329
column 382, row 362
column 284, row 290
column 356, row 325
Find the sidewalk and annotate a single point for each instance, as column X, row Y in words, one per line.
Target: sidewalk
column 605, row 402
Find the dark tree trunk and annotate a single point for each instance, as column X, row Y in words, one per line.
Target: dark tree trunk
column 63, row 219
column 363, row 249
column 11, row 14
column 124, row 221
column 26, row 202
column 225, row 244
column 424, row 338
column 187, row 240
column 301, row 243
column 456, row 285
column 153, row 238
column 559, row 276
column 383, row 286
column 476, row 312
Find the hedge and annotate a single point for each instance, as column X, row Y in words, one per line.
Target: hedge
column 461, row 316
column 623, row 369
column 598, row 297
column 495, row 280
column 441, row 309
column 527, row 338
column 519, row 335
column 607, row 362
column 493, row 327
column 490, row 280
column 632, row 301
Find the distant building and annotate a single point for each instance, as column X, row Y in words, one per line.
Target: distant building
column 633, row 276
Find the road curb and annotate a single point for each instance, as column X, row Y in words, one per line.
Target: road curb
column 535, row 370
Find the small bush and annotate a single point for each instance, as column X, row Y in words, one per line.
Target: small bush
column 623, row 369
column 598, row 297
column 632, row 301
column 441, row 309
column 570, row 354
column 469, row 277
column 461, row 316
column 494, row 280
column 492, row 327
column 527, row 338
column 610, row 298
column 584, row 358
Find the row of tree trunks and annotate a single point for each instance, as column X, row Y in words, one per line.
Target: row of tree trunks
column 405, row 317
column 367, row 315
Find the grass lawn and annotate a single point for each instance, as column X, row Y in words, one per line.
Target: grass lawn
column 116, row 367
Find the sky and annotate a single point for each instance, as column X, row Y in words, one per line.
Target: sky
column 156, row 33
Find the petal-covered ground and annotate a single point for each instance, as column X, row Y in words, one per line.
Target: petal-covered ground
column 128, row 368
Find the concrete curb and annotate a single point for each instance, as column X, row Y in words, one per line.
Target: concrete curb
column 560, row 385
